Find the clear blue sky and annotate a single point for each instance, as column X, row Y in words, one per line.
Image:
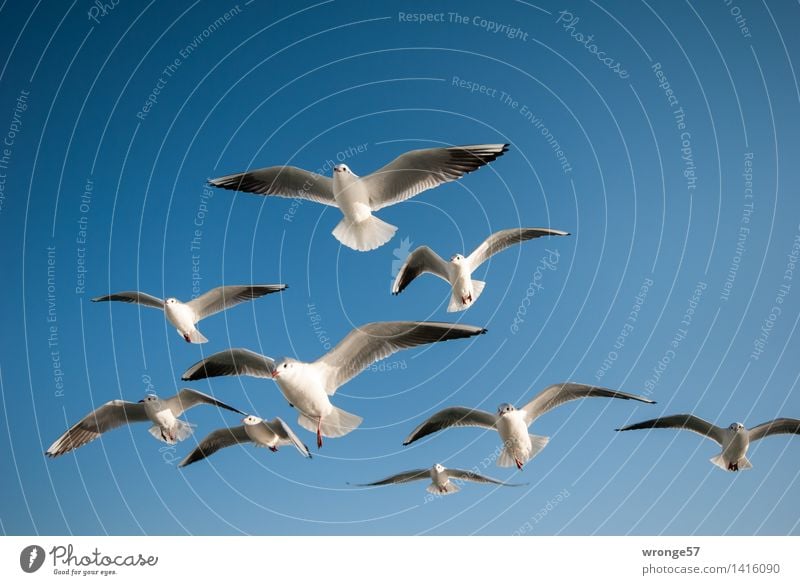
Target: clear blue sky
column 102, row 179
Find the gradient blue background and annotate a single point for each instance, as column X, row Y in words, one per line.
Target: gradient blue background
column 298, row 85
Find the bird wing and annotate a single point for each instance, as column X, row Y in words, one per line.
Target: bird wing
column 111, row 415
column 231, row 362
column 188, row 398
column 282, row 182
column 418, row 170
column 215, row 441
column 478, row 478
column 501, row 240
column 287, row 435
column 779, row 426
column 421, row 260
column 681, row 421
column 132, row 296
column 220, row 298
column 558, row 394
column 455, row 416
column 375, row 341
column 405, row 477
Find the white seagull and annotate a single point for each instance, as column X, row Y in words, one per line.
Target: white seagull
column 307, row 386
column 440, row 477
column 734, row 440
column 262, row 433
column 512, row 424
column 184, row 316
column 162, row 412
column 358, row 197
column 458, row 272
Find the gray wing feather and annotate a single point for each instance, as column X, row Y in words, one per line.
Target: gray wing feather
column 405, row 477
column 111, row 415
column 375, row 341
column 558, row 394
column 501, row 240
column 456, row 416
column 779, row 426
column 287, row 435
column 231, row 362
column 418, row 170
column 133, row 296
column 215, row 441
column 420, row 261
column 687, row 422
column 188, row 398
column 476, row 477
column 282, row 182
column 223, row 297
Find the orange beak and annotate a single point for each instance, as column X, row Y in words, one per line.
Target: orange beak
column 275, row 374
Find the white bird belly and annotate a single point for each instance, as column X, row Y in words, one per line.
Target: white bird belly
column 164, row 418
column 736, row 448
column 352, row 198
column 261, row 435
column 181, row 316
column 309, row 398
column 514, row 433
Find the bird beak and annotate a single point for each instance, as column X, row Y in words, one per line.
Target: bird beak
column 141, row 401
column 275, row 374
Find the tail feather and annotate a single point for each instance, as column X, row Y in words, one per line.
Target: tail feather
column 722, row 463
column 364, row 235
column 508, row 459
column 336, row 424
column 449, row 488
column 196, row 337
column 456, row 302
column 182, row 431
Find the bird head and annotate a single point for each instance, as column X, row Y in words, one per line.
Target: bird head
column 251, row 420
column 457, row 259
column 342, row 170
column 149, row 398
column 505, row 408
column 171, row 301
column 439, row 467
column 284, row 368
column 736, row 427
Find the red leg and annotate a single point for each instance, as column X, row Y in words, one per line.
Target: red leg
column 273, row 449
column 519, row 463
column 319, row 434
column 186, row 338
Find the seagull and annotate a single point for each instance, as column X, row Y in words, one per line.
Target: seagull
column 440, row 477
column 734, row 440
column 162, row 412
column 358, row 197
column 458, row 272
column 262, row 433
column 184, row 316
column 512, row 424
column 307, row 386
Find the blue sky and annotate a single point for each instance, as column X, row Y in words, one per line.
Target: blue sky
column 666, row 144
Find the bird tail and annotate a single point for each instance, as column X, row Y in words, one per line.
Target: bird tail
column 364, row 235
column 180, row 432
column 507, row 459
column 336, row 424
column 719, row 461
column 449, row 488
column 196, row 337
column 456, row 304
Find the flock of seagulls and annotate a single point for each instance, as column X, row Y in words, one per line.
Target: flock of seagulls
column 309, row 386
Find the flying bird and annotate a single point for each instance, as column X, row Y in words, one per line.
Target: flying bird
column 162, row 412
column 440, row 477
column 458, row 271
column 307, row 386
column 262, row 433
column 734, row 440
column 184, row 316
column 358, row 197
column 512, row 423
